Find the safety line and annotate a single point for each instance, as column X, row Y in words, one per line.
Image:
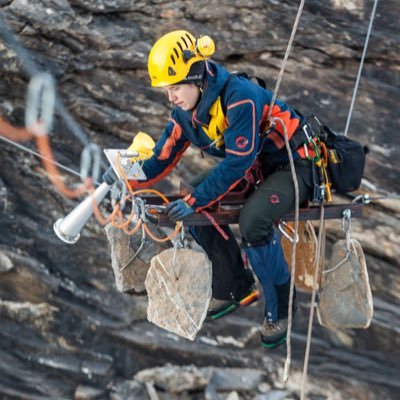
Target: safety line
column 320, row 255
column 360, row 67
column 294, row 244
column 284, row 62
column 10, row 39
column 28, row 150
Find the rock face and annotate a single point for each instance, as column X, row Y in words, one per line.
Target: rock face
column 66, row 332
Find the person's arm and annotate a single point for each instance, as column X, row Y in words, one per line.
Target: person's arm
column 241, row 144
column 167, row 153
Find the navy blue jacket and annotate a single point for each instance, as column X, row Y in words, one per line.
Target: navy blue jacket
column 245, row 107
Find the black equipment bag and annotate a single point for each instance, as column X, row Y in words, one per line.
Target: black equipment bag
column 346, row 161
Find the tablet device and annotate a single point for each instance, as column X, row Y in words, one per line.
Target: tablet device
column 131, row 168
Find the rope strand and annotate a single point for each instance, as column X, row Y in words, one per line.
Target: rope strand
column 353, row 99
column 294, row 243
column 320, row 250
column 284, row 62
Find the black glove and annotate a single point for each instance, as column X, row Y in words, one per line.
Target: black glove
column 109, row 176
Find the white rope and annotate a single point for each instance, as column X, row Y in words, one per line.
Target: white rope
column 294, row 243
column 31, row 68
column 313, row 296
column 284, row 62
column 360, row 67
column 295, row 184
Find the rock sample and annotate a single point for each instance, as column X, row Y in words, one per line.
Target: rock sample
column 306, row 249
column 345, row 298
column 179, row 289
column 130, row 257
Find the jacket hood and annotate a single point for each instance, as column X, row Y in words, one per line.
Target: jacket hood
column 214, row 81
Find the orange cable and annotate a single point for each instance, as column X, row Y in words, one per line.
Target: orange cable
column 151, row 191
column 97, row 213
column 121, row 218
column 43, row 145
column 169, row 237
column 14, row 133
column 135, row 229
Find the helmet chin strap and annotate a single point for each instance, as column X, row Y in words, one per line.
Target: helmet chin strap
column 200, row 86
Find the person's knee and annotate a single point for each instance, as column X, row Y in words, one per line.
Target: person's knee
column 252, row 230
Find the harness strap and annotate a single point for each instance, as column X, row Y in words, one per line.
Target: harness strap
column 302, row 135
column 215, row 224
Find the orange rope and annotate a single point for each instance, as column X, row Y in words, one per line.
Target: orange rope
column 121, row 171
column 14, row 133
column 154, row 191
column 44, row 148
column 135, row 229
column 121, row 218
column 151, row 191
column 169, row 237
column 38, row 132
column 97, row 213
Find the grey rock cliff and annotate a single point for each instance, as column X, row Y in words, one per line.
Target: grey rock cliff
column 66, row 332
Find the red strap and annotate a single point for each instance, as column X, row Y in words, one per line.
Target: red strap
column 214, row 222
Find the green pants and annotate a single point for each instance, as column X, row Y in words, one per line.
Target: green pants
column 274, row 198
column 267, row 204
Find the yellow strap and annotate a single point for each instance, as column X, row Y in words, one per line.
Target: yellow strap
column 217, row 125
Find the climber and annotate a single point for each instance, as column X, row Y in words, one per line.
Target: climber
column 224, row 114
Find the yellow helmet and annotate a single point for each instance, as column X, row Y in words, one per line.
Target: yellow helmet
column 172, row 56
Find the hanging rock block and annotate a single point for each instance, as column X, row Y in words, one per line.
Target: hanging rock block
column 345, row 299
column 179, row 291
column 305, row 255
column 130, row 273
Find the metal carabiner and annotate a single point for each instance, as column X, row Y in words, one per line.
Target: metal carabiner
column 91, row 156
column 362, row 198
column 40, row 101
column 282, row 225
column 118, row 193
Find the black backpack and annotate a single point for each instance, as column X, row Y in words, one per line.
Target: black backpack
column 346, row 161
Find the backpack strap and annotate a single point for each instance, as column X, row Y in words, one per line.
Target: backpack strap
column 260, row 82
column 223, row 91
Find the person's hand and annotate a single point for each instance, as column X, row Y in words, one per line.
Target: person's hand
column 178, row 209
column 109, row 176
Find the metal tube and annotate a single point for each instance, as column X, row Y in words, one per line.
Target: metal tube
column 68, row 228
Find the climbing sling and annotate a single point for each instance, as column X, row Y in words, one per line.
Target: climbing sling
column 345, row 298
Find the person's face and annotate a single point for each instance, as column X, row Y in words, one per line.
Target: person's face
column 184, row 96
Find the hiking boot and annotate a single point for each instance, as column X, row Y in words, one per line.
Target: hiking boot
column 273, row 334
column 219, row 308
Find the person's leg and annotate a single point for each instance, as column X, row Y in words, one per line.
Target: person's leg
column 273, row 199
column 231, row 281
